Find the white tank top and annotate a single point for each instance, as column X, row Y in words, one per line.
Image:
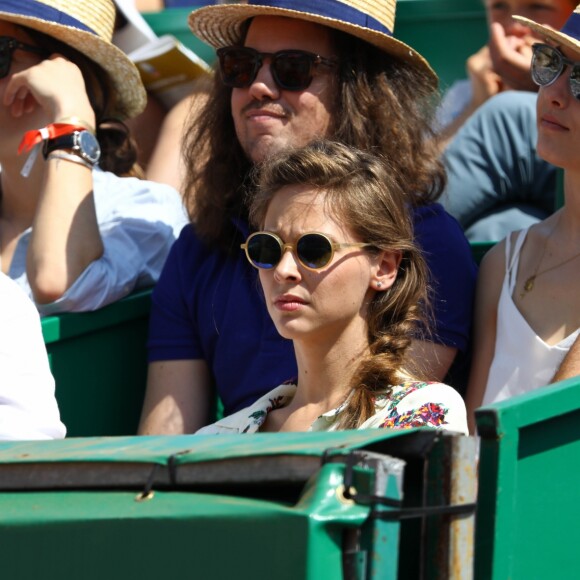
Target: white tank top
column 522, row 361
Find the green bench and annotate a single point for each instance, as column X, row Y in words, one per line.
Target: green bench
column 529, row 476
column 99, row 363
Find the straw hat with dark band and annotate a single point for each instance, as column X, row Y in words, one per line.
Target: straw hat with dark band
column 568, row 36
column 369, row 20
column 87, row 26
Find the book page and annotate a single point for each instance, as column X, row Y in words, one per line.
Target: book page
column 136, row 32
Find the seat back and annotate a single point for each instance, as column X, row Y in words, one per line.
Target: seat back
column 99, row 363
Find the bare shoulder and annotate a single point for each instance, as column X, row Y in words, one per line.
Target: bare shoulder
column 492, row 270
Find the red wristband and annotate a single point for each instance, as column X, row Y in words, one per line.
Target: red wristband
column 52, row 131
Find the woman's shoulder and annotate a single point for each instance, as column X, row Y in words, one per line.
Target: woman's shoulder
column 420, row 403
column 250, row 419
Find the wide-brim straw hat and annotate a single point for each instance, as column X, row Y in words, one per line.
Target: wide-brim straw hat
column 87, row 26
column 370, row 20
column 568, row 36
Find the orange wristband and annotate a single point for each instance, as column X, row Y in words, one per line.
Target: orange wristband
column 36, row 136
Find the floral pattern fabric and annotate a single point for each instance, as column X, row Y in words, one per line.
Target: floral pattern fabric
column 410, row 404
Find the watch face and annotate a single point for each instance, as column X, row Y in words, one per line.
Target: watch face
column 89, row 146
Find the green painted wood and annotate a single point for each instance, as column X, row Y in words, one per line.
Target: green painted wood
column 246, row 532
column 99, row 363
column 479, row 249
column 174, row 21
column 529, row 477
column 445, row 32
column 93, row 535
column 202, row 448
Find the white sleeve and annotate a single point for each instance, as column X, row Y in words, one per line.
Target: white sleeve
column 28, row 408
column 139, row 221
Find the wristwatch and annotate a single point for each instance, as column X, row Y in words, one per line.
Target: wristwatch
column 81, row 143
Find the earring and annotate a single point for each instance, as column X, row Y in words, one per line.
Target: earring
column 379, row 284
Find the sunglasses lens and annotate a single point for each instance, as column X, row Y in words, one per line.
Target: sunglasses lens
column 5, row 59
column 546, row 65
column 292, row 70
column 238, row 66
column 314, row 250
column 575, row 82
column 264, row 251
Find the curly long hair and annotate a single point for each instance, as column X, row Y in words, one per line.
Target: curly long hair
column 383, row 105
column 118, row 148
column 363, row 192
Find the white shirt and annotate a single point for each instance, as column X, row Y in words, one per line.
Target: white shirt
column 410, row 404
column 28, row 408
column 522, row 361
column 139, row 221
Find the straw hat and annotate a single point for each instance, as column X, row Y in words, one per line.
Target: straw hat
column 568, row 36
column 87, row 26
column 369, row 20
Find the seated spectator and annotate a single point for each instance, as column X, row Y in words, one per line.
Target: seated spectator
column 343, row 279
column 158, row 130
column 528, row 305
column 166, row 163
column 28, row 409
column 331, row 78
column 75, row 233
column 504, row 63
column 496, row 181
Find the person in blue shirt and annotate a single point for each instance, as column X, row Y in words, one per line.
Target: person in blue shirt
column 496, row 181
column 290, row 74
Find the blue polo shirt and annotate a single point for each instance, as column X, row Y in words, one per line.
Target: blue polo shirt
column 210, row 306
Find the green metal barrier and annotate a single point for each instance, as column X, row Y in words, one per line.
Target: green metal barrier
column 174, row 21
column 99, row 363
column 529, row 482
column 479, row 249
column 306, row 506
column 445, row 32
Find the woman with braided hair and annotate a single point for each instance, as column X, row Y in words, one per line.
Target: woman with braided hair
column 343, row 279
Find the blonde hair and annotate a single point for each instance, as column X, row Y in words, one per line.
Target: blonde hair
column 362, row 192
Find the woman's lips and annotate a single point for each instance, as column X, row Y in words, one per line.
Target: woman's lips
column 550, row 122
column 289, row 303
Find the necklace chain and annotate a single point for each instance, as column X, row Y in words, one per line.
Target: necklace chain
column 529, row 283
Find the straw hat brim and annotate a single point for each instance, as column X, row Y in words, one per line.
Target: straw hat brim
column 124, row 75
column 549, row 33
column 221, row 25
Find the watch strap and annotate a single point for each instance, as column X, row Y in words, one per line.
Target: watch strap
column 73, row 142
column 61, row 142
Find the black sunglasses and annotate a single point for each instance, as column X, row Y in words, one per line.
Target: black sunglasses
column 548, row 63
column 314, row 251
column 291, row 69
column 7, row 47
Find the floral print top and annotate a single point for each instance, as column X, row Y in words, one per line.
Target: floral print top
column 410, row 404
